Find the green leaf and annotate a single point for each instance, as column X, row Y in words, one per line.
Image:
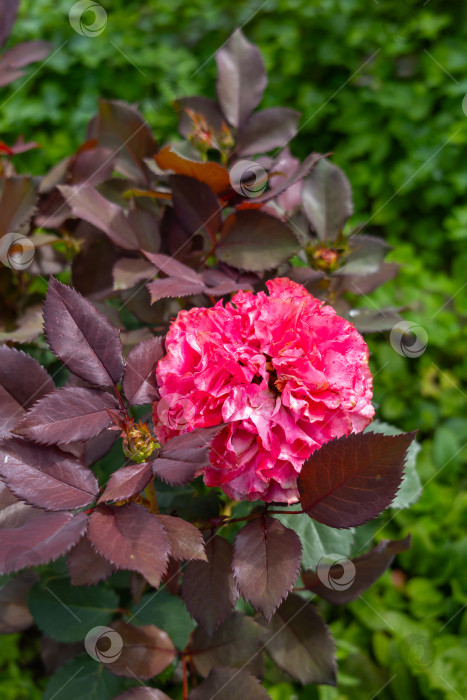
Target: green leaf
column 318, row 539
column 411, row 487
column 67, row 613
column 167, row 612
column 82, row 679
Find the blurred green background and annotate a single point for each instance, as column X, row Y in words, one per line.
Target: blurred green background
column 381, row 84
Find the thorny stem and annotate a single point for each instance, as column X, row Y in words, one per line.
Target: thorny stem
column 120, row 401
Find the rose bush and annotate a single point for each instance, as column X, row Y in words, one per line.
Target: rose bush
column 284, row 372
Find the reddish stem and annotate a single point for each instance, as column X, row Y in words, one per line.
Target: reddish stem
column 185, row 678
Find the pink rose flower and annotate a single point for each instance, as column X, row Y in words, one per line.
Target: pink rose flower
column 284, row 372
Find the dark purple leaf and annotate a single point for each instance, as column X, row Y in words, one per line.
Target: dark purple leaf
column 266, row 563
column 183, row 455
column 253, row 240
column 172, row 267
column 233, row 644
column 54, row 654
column 219, row 284
column 300, row 643
column 195, row 205
column 88, row 204
column 204, row 106
column 46, row 477
column 139, row 379
column 8, row 13
column 146, row 225
column 67, row 415
column 22, row 382
column 126, row 482
column 86, row 567
column 142, row 694
column 374, row 320
column 268, row 129
column 81, row 337
column 185, row 540
column 241, row 78
column 122, row 129
column 17, row 203
column 308, row 164
column 229, row 684
column 131, row 538
column 14, row 513
column 350, row 480
column 146, row 651
column 173, row 287
column 327, row 200
column 25, row 53
column 40, row 540
column 208, row 588
column 91, row 166
column 365, row 285
column 343, row 582
column 366, row 254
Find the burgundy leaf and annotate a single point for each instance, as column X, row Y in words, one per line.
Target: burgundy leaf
column 346, row 580
column 208, row 588
column 128, row 272
column 146, row 651
column 268, row 129
column 122, row 129
column 39, row 541
column 91, row 165
column 234, row 644
column 241, row 78
column 131, row 538
column 8, row 13
column 17, row 202
column 146, row 225
column 327, row 200
column 46, row 477
column 14, row 513
column 126, row 482
column 185, row 540
column 82, row 337
column 143, row 694
column 172, row 287
column 172, row 267
column 88, row 204
column 366, row 254
column 367, row 284
column 373, row 320
column 67, row 415
column 139, row 379
column 308, row 164
column 195, row 205
column 253, row 240
column 229, row 684
column 86, row 567
column 25, row 53
column 266, row 563
column 182, row 456
column 300, row 643
column 22, row 382
column 219, row 284
column 350, row 480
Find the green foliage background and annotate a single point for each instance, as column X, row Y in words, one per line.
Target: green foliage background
column 380, row 84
